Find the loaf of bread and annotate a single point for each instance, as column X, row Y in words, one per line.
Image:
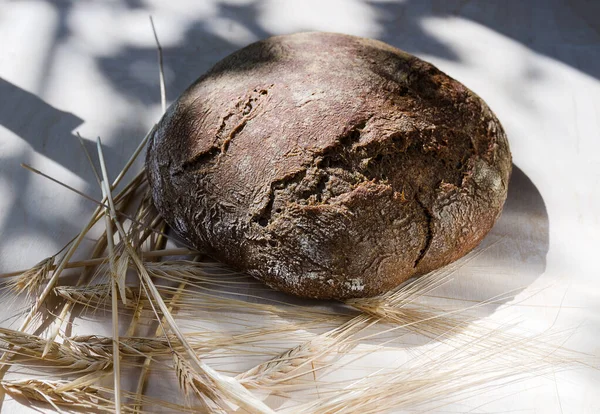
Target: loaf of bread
column 329, row 166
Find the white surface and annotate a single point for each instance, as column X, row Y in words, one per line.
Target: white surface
column 91, row 67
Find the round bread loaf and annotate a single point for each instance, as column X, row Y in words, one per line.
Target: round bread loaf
column 329, row 166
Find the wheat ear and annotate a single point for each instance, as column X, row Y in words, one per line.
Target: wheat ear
column 30, row 280
column 287, row 366
column 32, row 346
column 85, row 398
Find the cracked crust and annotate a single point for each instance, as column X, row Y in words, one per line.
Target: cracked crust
column 329, row 166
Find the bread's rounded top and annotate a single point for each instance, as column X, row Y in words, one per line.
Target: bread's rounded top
column 329, row 165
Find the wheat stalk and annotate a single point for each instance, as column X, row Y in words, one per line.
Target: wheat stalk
column 86, row 398
column 31, row 280
column 430, row 379
column 164, row 346
column 464, row 356
column 201, row 385
column 159, row 332
column 228, row 386
column 191, row 301
column 60, row 395
column 289, row 365
column 20, row 343
column 93, row 295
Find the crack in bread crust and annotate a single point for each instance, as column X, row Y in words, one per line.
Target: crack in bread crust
column 340, row 175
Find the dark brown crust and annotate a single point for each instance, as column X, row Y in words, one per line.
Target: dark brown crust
column 329, row 166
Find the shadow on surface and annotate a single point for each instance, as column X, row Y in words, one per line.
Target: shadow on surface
column 555, row 28
column 513, row 254
column 516, row 248
column 196, row 53
column 49, row 133
column 48, row 130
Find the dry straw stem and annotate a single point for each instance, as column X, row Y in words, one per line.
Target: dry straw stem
column 148, row 360
column 148, row 215
column 99, row 248
column 228, row 386
column 208, row 341
column 115, row 279
column 73, row 247
column 163, row 93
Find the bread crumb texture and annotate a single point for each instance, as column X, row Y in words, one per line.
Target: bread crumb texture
column 329, row 166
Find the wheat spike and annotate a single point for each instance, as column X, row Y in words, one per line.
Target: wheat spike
column 128, row 346
column 201, row 385
column 31, row 280
column 86, row 398
column 93, row 295
column 288, row 365
column 227, row 385
column 20, row 343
